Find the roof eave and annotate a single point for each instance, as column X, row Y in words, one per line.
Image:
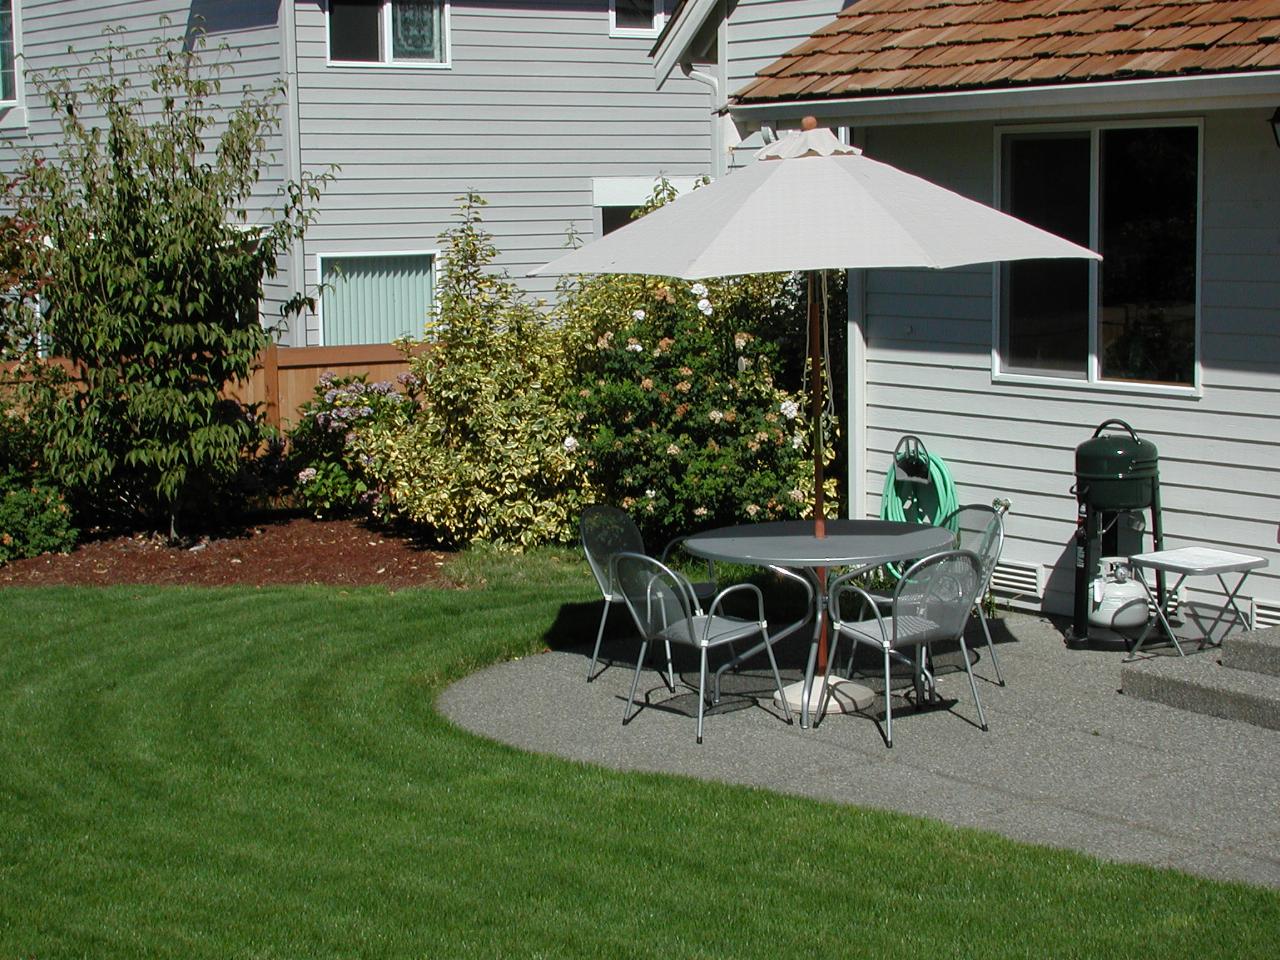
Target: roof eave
column 1113, row 97
column 679, row 34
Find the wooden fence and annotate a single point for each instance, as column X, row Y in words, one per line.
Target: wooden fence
column 285, row 377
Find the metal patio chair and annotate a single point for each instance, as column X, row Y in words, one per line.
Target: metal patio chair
column 980, row 529
column 607, row 531
column 663, row 605
column 930, row 604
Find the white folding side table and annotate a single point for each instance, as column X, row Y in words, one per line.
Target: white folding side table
column 1194, row 562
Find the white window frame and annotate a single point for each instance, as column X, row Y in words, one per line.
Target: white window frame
column 659, row 20
column 13, row 113
column 436, row 264
column 384, row 60
column 1093, row 380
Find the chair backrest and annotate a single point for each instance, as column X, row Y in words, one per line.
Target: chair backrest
column 933, row 599
column 607, row 531
column 656, row 595
column 979, row 529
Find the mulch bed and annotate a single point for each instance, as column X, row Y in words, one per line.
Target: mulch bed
column 285, row 551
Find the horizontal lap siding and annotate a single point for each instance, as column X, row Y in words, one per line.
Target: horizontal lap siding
column 539, row 100
column 929, row 371
column 247, row 27
column 760, row 31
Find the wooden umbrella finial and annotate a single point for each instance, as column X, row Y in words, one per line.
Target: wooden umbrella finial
column 809, row 123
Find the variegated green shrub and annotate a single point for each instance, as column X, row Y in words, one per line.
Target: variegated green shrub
column 486, row 452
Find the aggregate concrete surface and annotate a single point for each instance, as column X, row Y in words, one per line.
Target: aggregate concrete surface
column 1068, row 761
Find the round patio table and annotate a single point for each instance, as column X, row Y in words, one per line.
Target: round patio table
column 793, row 545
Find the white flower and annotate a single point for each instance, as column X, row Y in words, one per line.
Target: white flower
column 570, row 444
column 797, row 441
column 790, row 409
column 700, row 511
column 634, row 346
column 716, row 416
column 705, row 306
column 739, row 340
column 650, row 493
column 673, row 450
column 698, row 290
column 637, row 314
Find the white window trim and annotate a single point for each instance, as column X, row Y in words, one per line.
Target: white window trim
column 384, row 63
column 436, row 265
column 1092, row 381
column 13, row 113
column 659, row 21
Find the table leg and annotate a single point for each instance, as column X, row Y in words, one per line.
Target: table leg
column 1159, row 617
column 1231, row 604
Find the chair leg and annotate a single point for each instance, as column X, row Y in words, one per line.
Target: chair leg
column 777, row 678
column 595, row 654
column 888, row 707
column 635, row 682
column 702, row 690
column 990, row 647
column 964, row 653
column 671, row 670
column 825, row 699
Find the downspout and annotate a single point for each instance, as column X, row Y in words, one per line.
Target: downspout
column 719, row 162
column 295, row 271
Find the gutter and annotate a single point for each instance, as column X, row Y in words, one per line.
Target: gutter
column 1111, row 97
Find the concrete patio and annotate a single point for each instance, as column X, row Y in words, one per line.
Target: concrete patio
column 1068, row 761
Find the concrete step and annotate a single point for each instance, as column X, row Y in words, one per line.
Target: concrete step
column 1257, row 650
column 1201, row 684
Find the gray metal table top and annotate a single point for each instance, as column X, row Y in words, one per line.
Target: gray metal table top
column 792, row 543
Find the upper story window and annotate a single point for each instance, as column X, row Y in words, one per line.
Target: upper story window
column 1132, row 194
column 635, row 18
column 410, row 33
column 8, row 54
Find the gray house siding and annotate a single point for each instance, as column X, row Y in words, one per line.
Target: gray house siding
column 539, row 100
column 928, row 369
column 65, row 34
column 760, row 31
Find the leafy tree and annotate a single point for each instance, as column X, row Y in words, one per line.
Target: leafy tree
column 150, row 273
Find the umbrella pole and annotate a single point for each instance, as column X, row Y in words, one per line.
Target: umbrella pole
column 815, row 403
column 815, row 411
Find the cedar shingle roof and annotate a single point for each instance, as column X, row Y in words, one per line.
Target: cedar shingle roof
column 880, row 47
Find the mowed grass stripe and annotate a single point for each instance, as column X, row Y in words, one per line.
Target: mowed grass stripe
column 260, row 773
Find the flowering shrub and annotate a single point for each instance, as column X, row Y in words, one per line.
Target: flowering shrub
column 679, row 417
column 331, row 472
column 485, row 452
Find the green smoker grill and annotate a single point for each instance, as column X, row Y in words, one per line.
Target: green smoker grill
column 1117, row 480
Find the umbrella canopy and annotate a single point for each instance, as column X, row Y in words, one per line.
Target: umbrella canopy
column 813, row 203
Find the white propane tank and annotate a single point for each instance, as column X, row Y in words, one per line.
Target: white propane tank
column 1117, row 601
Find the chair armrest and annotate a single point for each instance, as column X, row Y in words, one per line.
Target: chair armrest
column 844, row 584
column 749, row 587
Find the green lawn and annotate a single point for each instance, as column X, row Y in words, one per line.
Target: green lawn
column 260, row 773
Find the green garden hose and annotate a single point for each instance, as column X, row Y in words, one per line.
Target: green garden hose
column 929, row 502
column 920, row 502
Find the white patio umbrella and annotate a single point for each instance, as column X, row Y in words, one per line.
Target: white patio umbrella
column 813, row 203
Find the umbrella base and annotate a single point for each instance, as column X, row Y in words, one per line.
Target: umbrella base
column 846, row 696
